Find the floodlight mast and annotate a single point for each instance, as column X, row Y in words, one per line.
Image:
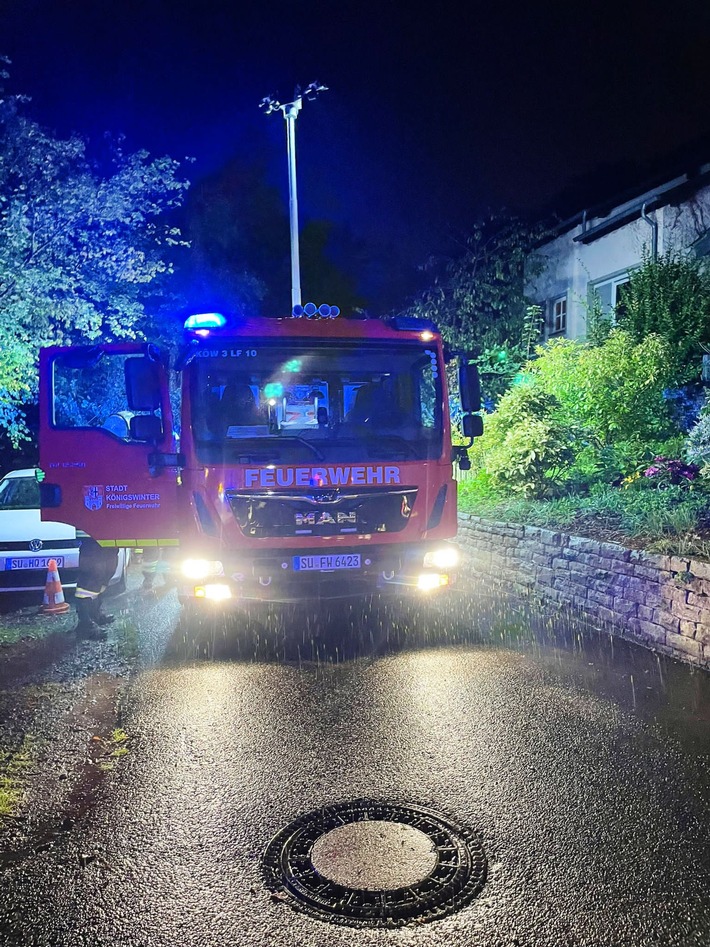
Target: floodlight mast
column 290, row 112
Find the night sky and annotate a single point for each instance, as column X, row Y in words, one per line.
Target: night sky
column 431, row 116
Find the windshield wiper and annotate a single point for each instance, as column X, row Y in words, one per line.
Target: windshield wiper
column 268, row 440
column 300, row 440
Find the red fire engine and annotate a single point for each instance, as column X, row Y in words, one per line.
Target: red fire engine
column 315, row 455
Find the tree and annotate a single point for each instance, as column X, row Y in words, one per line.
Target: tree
column 84, row 247
column 477, row 297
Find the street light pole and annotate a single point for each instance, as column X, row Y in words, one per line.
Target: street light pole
column 290, row 112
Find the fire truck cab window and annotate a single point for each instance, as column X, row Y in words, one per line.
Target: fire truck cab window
column 287, row 403
column 92, row 394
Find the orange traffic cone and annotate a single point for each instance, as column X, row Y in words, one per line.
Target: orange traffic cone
column 54, row 603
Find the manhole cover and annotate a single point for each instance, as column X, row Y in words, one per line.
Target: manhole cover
column 375, row 864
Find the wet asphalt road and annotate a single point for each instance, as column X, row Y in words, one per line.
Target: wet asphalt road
column 583, row 762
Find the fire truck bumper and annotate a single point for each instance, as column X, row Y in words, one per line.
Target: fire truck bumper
column 308, row 575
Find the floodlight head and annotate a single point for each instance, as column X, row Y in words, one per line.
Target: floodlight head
column 270, row 104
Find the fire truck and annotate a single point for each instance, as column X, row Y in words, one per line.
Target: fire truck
column 309, row 458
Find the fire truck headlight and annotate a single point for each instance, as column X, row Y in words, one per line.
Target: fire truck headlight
column 446, row 557
column 201, row 568
column 429, row 581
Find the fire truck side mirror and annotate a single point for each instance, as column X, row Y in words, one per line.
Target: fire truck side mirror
column 472, row 425
column 146, row 427
column 469, row 386
column 142, row 384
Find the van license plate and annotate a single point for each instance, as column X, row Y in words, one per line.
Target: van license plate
column 326, row 563
column 33, row 562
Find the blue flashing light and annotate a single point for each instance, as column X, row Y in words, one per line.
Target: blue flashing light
column 206, row 320
column 412, row 324
column 310, row 309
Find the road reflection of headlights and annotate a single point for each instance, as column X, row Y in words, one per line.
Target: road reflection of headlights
column 201, row 568
column 446, row 557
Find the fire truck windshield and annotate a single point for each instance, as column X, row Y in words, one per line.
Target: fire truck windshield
column 268, row 401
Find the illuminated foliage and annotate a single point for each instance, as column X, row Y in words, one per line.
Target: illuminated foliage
column 670, row 297
column 84, row 247
column 477, row 295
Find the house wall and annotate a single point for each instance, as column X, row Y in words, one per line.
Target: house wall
column 571, row 268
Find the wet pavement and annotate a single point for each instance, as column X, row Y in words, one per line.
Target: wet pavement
column 581, row 761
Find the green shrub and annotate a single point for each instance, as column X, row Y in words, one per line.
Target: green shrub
column 670, row 298
column 613, row 391
column 526, row 449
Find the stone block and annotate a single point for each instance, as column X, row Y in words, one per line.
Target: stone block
column 699, row 586
column 651, row 574
column 652, row 632
column 687, row 612
column 644, row 612
column 700, row 601
column 649, row 595
column 679, row 565
column 605, row 616
column 667, row 619
column 600, row 598
column 580, row 544
column 629, row 609
column 615, row 551
column 700, row 570
column 674, row 594
column 649, row 559
column 702, row 633
column 688, row 647
column 687, row 628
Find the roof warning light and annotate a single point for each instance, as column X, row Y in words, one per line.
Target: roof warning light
column 205, row 320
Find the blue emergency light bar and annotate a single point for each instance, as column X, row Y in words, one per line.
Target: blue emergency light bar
column 310, row 309
column 206, row 320
column 412, row 324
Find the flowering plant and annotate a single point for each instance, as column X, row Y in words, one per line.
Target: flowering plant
column 664, row 471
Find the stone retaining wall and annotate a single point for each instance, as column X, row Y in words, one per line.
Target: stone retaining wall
column 660, row 601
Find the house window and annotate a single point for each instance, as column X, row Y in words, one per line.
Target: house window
column 558, row 316
column 609, row 294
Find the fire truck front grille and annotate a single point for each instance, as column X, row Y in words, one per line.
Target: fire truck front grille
column 322, row 513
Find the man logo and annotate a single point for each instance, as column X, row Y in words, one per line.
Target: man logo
column 322, row 517
column 93, row 497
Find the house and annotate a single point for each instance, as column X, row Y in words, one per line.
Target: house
column 590, row 255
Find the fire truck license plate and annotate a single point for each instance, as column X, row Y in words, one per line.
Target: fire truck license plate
column 34, row 562
column 325, row 563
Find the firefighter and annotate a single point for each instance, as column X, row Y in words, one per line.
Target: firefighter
column 149, row 567
column 156, row 562
column 96, row 566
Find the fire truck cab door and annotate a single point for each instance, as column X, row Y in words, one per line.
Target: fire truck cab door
column 106, row 443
